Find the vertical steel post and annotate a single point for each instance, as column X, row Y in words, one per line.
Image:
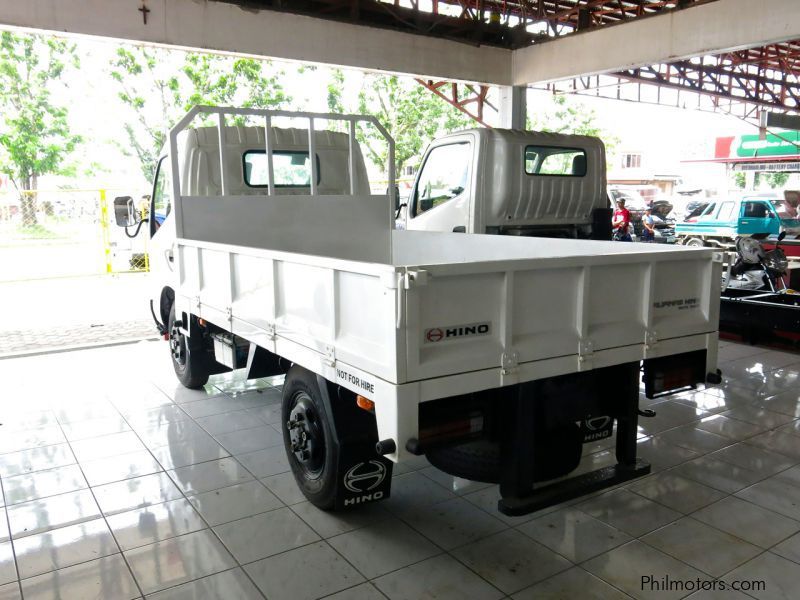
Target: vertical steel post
column 513, row 106
column 223, row 179
column 312, row 155
column 392, row 176
column 351, row 156
column 268, row 149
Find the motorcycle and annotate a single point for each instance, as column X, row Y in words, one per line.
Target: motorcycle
column 755, row 268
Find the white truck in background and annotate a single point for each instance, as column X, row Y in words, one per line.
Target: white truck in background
column 495, row 356
column 507, row 182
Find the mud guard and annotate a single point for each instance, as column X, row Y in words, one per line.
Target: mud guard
column 362, row 475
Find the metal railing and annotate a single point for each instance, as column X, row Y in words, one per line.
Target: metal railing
column 268, row 115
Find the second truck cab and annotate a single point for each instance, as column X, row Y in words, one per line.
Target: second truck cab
column 511, row 182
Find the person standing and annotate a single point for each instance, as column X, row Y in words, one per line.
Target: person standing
column 621, row 222
column 648, row 226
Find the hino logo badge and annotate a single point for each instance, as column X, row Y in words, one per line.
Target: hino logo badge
column 364, row 476
column 597, row 423
column 438, row 334
column 596, row 428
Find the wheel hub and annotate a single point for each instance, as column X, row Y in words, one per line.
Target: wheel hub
column 176, row 345
column 305, row 435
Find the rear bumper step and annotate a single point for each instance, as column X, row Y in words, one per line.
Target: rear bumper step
column 572, row 488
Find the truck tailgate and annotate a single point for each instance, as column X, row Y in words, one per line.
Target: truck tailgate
column 530, row 300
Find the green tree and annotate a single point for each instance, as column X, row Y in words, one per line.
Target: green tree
column 566, row 115
column 35, row 138
column 739, row 179
column 335, row 89
column 157, row 86
column 776, row 180
column 412, row 115
column 148, row 92
column 223, row 81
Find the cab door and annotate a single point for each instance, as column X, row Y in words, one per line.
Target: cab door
column 162, row 233
column 440, row 199
column 756, row 218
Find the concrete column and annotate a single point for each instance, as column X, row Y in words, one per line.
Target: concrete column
column 513, row 106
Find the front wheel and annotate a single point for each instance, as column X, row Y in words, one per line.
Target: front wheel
column 192, row 365
column 695, row 243
column 308, row 436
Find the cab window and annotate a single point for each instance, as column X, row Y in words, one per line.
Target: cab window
column 550, row 160
column 162, row 195
column 444, row 176
column 709, row 210
column 725, row 211
column 290, row 169
column 755, row 210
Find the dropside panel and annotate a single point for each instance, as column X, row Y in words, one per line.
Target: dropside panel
column 342, row 315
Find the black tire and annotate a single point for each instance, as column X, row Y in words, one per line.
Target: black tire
column 481, row 460
column 314, row 464
column 477, row 461
column 190, row 360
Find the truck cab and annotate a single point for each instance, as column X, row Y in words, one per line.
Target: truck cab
column 511, row 182
column 755, row 215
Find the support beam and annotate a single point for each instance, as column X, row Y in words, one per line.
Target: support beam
column 217, row 26
column 712, row 28
column 513, row 106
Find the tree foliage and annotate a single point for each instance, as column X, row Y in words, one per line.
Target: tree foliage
column 411, row 114
column 157, row 86
column 35, row 138
column 566, row 115
column 776, row 180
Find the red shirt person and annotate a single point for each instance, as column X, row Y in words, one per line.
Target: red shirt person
column 621, row 222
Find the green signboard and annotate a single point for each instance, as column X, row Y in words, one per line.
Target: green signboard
column 785, row 143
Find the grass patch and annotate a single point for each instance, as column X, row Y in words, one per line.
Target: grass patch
column 35, row 232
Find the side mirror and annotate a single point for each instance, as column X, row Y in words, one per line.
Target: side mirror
column 781, row 235
column 425, row 204
column 397, row 197
column 125, row 212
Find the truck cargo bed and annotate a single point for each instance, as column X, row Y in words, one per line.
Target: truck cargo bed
column 450, row 303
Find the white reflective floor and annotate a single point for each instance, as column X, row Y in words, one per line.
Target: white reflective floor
column 117, row 483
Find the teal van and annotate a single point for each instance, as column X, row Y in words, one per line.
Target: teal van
column 722, row 221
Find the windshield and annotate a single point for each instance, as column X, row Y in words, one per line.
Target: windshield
column 784, row 209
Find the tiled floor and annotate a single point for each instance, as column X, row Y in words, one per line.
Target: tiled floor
column 117, row 483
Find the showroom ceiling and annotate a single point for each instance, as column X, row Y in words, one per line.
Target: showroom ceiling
column 752, row 78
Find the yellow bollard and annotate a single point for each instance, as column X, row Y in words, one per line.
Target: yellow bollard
column 106, row 233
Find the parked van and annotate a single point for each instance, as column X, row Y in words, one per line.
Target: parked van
column 722, row 221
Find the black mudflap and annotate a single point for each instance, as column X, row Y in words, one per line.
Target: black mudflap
column 522, row 457
column 362, row 474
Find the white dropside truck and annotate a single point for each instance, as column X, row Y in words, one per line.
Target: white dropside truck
column 497, row 357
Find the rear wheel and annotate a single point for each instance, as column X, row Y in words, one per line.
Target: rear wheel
column 189, row 359
column 307, row 437
column 695, row 243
